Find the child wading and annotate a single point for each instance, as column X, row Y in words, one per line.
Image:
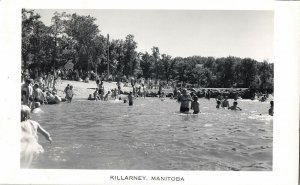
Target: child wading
column 30, row 148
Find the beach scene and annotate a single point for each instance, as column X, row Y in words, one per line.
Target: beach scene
column 97, row 94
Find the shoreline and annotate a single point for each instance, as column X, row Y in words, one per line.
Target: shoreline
column 83, row 89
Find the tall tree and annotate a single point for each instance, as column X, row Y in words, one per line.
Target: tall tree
column 157, row 65
column 248, row 71
column 98, row 51
column 116, row 56
column 181, row 70
column 266, row 75
column 167, row 66
column 84, row 30
column 130, row 56
column 57, row 29
column 29, row 20
column 146, row 64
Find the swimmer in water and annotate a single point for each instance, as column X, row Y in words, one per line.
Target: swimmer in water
column 36, row 109
column 195, row 105
column 234, row 106
column 218, row 104
column 57, row 98
column 225, row 103
column 271, row 110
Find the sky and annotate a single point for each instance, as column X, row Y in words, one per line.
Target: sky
column 217, row 33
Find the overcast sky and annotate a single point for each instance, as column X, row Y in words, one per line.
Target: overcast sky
column 185, row 33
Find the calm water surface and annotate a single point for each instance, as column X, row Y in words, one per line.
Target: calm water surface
column 153, row 135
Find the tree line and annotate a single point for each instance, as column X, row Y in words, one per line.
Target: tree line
column 76, row 38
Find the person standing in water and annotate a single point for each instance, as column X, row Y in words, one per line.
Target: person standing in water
column 30, row 148
column 271, row 110
column 70, row 94
column 27, row 92
column 185, row 101
column 66, row 89
column 143, row 91
column 195, row 105
column 130, row 99
column 225, row 103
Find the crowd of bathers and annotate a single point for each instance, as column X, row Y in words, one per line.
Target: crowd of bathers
column 188, row 99
column 37, row 92
column 33, row 94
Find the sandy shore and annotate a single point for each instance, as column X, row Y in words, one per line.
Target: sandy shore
column 82, row 89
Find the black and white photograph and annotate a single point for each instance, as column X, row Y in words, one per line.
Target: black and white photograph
column 148, row 90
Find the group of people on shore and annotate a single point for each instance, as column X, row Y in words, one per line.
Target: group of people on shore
column 36, row 93
column 33, row 94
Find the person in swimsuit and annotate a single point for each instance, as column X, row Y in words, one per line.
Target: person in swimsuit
column 143, row 91
column 234, row 106
column 162, row 96
column 30, row 148
column 27, row 92
column 195, row 105
column 66, row 89
column 106, row 96
column 70, row 94
column 96, row 94
column 271, row 110
column 185, row 101
column 225, row 103
column 130, row 99
column 38, row 95
column 36, row 109
column 50, row 98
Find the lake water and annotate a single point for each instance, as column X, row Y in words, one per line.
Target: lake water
column 153, row 135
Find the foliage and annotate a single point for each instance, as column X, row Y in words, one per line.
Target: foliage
column 78, row 39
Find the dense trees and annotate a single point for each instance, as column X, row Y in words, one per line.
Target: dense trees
column 78, row 39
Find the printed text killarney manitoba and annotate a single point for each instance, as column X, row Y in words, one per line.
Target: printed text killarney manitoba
column 145, row 178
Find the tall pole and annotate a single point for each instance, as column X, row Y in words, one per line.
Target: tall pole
column 107, row 56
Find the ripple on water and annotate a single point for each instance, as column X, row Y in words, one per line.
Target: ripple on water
column 152, row 134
